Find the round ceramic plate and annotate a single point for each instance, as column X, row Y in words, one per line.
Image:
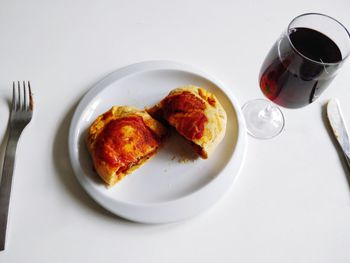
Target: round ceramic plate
column 174, row 184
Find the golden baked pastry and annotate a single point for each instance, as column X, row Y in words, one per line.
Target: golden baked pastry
column 196, row 114
column 122, row 139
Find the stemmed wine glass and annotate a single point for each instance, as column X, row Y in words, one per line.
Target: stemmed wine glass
column 298, row 68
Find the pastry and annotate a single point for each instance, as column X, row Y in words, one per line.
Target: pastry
column 121, row 140
column 196, row 114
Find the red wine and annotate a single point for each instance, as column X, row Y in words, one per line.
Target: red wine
column 293, row 74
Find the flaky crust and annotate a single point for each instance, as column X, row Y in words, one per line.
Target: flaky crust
column 106, row 171
column 215, row 127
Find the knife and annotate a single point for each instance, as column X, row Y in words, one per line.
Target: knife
column 337, row 123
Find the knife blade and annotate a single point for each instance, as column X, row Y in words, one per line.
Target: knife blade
column 337, row 123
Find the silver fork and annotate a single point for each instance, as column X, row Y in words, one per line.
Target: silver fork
column 20, row 116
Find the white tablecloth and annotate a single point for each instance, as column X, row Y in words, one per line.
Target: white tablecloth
column 291, row 201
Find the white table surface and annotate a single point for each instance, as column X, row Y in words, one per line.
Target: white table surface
column 291, row 201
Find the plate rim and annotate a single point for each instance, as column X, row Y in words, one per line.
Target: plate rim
column 165, row 209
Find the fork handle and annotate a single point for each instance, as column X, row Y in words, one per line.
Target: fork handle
column 6, row 182
column 347, row 159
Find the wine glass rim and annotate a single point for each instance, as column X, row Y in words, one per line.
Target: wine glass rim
column 312, row 60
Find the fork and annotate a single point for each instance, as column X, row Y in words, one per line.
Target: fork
column 20, row 115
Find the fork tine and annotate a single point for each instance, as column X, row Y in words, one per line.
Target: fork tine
column 18, row 108
column 30, row 98
column 24, row 105
column 13, row 96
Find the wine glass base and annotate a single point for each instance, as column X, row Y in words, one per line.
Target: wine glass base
column 263, row 119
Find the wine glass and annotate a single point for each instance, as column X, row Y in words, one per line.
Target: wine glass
column 298, row 68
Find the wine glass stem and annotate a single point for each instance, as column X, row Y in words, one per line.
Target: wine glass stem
column 267, row 112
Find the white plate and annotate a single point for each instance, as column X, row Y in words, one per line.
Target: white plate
column 165, row 189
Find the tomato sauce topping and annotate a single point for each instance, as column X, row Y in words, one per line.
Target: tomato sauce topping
column 124, row 141
column 185, row 111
